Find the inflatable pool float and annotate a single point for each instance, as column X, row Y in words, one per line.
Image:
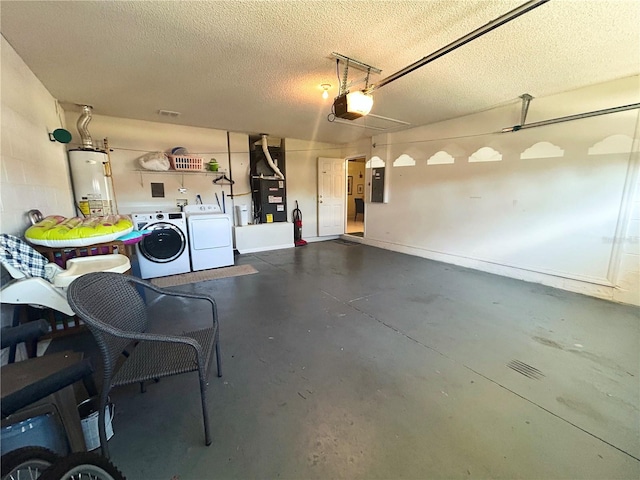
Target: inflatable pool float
column 57, row 231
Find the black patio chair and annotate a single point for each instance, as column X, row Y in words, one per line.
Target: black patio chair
column 117, row 316
column 359, row 208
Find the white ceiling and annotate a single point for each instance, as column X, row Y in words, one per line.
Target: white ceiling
column 256, row 66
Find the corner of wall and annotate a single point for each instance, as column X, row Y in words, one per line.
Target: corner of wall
column 35, row 172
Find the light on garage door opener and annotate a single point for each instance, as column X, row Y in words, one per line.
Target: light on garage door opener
column 341, row 105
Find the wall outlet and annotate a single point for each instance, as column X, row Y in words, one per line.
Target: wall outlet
column 181, row 202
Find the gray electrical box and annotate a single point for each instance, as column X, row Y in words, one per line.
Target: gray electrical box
column 377, row 185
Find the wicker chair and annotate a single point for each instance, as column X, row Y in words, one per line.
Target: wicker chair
column 115, row 312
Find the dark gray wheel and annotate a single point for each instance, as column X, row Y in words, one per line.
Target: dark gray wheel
column 82, row 466
column 26, row 463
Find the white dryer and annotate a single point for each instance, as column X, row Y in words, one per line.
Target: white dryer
column 165, row 251
column 210, row 236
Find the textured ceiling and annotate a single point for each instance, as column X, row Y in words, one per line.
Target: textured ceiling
column 254, row 67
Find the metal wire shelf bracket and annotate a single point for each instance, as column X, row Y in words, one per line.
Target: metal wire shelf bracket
column 356, row 63
column 350, row 62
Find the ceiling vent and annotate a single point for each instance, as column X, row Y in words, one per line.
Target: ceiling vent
column 168, row 113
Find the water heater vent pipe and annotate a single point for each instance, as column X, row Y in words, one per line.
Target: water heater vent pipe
column 83, row 121
column 274, row 167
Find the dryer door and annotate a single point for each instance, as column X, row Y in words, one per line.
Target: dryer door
column 209, row 231
column 166, row 243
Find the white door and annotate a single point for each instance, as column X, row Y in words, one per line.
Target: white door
column 331, row 193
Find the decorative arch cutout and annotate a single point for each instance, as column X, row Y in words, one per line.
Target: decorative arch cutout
column 375, row 162
column 542, row 150
column 441, row 158
column 612, row 144
column 404, row 160
column 485, row 154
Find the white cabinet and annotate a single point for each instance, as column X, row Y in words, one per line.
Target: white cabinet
column 263, row 236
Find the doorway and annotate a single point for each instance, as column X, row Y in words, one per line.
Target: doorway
column 355, row 196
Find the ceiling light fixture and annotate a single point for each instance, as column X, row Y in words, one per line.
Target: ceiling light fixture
column 325, row 87
column 349, row 106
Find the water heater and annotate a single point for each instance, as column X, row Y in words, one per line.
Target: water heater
column 92, row 182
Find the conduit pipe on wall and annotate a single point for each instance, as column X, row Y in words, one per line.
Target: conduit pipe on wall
column 492, row 25
column 274, row 167
column 83, row 122
column 569, row 118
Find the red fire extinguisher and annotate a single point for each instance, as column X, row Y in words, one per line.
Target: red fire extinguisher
column 297, row 227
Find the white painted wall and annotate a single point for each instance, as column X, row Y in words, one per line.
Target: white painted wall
column 361, row 148
column 572, row 221
column 131, row 139
column 35, row 173
column 240, row 167
column 625, row 267
column 569, row 221
column 302, row 182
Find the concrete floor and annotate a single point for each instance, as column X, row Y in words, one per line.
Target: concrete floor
column 346, row 361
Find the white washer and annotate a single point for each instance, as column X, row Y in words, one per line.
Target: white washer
column 210, row 237
column 165, row 251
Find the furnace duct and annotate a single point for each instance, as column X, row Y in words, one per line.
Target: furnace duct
column 274, row 167
column 83, row 121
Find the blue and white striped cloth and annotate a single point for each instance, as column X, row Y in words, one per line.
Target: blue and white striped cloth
column 22, row 256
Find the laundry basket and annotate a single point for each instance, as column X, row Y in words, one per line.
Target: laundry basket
column 186, row 162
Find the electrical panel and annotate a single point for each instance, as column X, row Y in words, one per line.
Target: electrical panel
column 377, row 185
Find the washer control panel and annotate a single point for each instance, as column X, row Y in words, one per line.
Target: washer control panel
column 142, row 219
